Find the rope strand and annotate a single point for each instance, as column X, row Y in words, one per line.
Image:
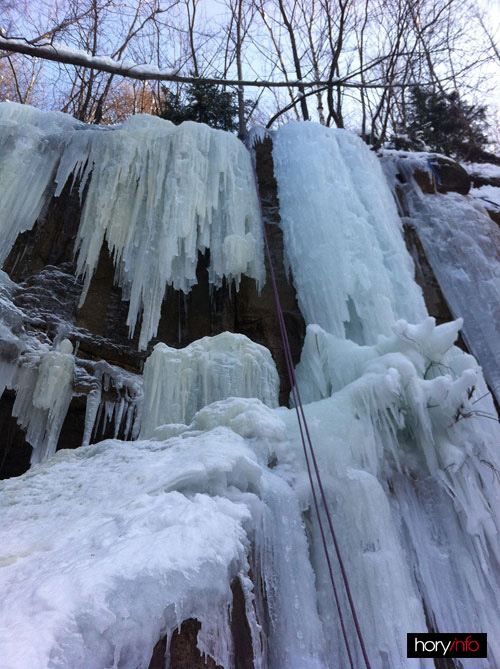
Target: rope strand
column 307, row 442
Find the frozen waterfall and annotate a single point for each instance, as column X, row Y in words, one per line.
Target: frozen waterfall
column 156, row 193
column 108, row 548
column 462, row 244
column 350, row 266
column 406, row 443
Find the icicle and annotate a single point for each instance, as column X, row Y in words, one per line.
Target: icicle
column 43, row 395
column 158, row 194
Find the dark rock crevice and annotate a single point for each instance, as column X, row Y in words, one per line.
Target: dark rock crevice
column 184, row 653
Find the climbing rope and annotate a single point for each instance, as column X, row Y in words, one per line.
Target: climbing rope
column 310, row 456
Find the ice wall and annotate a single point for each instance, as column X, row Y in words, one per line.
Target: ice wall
column 403, row 424
column 342, row 234
column 179, row 382
column 408, row 461
column 136, row 537
column 462, row 245
column 157, row 194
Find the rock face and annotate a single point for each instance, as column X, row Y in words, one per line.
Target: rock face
column 445, row 175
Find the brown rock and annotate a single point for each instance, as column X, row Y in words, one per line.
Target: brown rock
column 447, row 175
column 184, row 653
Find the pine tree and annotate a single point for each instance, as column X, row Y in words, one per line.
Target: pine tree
column 444, row 123
column 204, row 103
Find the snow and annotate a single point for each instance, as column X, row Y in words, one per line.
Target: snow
column 462, row 244
column 489, row 195
column 158, row 195
column 179, row 382
column 180, row 517
column 65, row 54
column 350, row 267
column 485, row 170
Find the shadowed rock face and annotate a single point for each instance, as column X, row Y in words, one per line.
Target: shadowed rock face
column 184, row 653
column 447, row 175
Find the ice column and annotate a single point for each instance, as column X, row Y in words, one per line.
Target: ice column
column 342, row 233
column 179, row 382
column 43, row 395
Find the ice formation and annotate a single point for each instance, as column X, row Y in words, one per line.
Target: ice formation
column 462, row 245
column 179, row 382
column 157, row 194
column 44, row 389
column 350, row 267
column 180, row 518
column 100, row 381
column 405, row 436
column 28, row 137
column 135, row 537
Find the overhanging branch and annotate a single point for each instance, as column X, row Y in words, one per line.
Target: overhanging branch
column 68, row 56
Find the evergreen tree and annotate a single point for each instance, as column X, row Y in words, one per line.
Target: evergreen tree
column 204, row 103
column 444, row 123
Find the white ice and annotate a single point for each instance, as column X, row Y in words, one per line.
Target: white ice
column 342, row 234
column 179, row 382
column 135, row 537
column 462, row 245
column 157, row 194
column 44, row 388
column 406, row 435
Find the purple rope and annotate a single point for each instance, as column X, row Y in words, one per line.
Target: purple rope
column 306, row 437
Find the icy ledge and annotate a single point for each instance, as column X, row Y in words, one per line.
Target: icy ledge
column 136, row 537
column 157, row 194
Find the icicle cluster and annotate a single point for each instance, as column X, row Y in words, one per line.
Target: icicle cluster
column 113, row 397
column 43, row 394
column 158, row 195
column 31, row 143
column 179, row 382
